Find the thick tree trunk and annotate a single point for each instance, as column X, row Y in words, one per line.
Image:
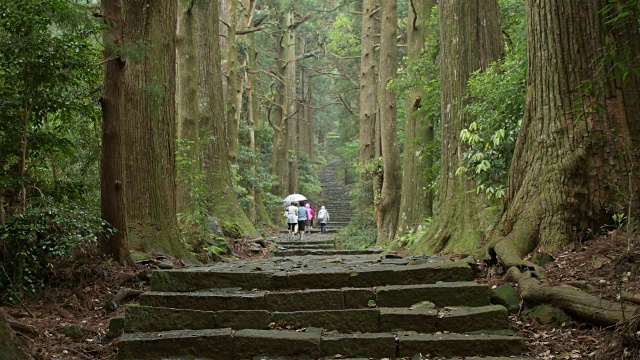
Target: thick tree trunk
column 234, row 83
column 388, row 202
column 367, row 100
column 575, row 164
column 291, row 101
column 214, row 160
column 470, row 39
column 112, row 165
column 187, row 104
column 8, row 349
column 417, row 200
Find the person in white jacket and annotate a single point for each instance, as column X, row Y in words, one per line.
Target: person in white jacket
column 323, row 218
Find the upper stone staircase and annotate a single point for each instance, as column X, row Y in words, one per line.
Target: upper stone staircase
column 336, row 199
column 318, row 306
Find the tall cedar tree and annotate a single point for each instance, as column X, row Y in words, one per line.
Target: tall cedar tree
column 187, row 99
column 576, row 162
column 470, row 39
column 388, row 199
column 368, row 103
column 215, row 160
column 417, row 201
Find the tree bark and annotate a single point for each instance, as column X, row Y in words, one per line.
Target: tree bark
column 574, row 165
column 214, row 160
column 149, row 109
column 234, row 83
column 417, row 200
column 388, row 202
column 112, row 165
column 367, row 101
column 470, row 39
column 9, row 350
column 187, row 104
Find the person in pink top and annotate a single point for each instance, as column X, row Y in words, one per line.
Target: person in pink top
column 312, row 215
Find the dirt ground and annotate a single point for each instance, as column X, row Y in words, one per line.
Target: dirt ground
column 83, row 288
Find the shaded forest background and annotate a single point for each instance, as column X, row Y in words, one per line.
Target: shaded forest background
column 492, row 130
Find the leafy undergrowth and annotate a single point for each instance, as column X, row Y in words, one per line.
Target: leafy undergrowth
column 605, row 266
column 78, row 303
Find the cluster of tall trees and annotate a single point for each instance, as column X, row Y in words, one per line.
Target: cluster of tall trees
column 213, row 109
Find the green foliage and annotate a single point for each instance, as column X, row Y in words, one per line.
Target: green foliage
column 49, row 136
column 344, row 37
column 360, row 233
column 39, row 236
column 496, row 108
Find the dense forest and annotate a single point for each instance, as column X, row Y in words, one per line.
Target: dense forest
column 490, row 129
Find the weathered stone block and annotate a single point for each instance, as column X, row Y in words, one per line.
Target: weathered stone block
column 206, row 300
column 189, row 343
column 313, row 299
column 368, row 345
column 472, row 319
column 442, row 294
column 249, row 343
column 357, row 298
column 352, row 320
column 420, row 320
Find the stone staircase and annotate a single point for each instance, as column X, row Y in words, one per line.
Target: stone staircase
column 336, row 199
column 331, row 304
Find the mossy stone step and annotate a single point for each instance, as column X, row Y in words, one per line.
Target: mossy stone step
column 371, row 320
column 324, row 252
column 307, row 246
column 248, row 343
column 441, row 294
column 304, row 242
column 311, row 273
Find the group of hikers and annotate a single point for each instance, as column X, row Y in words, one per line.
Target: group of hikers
column 300, row 215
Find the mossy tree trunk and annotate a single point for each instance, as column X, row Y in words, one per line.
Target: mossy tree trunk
column 214, row 160
column 387, row 201
column 234, row 83
column 148, row 108
column 112, row 165
column 575, row 164
column 417, row 200
column 367, row 99
column 470, row 39
column 187, row 102
column 8, row 348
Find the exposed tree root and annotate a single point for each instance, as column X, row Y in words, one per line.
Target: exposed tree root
column 570, row 299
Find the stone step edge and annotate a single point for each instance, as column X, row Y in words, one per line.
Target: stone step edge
column 199, row 278
column 243, row 344
column 467, row 293
column 488, row 319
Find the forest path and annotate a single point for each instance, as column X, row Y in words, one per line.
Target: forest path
column 327, row 304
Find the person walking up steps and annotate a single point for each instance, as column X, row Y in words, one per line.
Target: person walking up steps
column 323, row 219
column 310, row 216
column 302, row 219
column 292, row 218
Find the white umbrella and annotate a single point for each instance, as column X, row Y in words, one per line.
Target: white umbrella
column 293, row 198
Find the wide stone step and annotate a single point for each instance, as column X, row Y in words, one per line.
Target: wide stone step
column 427, row 319
column 442, row 294
column 248, row 343
column 324, row 252
column 304, row 242
column 310, row 273
column 307, row 246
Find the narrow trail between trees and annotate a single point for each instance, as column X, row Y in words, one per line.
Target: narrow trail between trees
column 312, row 301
